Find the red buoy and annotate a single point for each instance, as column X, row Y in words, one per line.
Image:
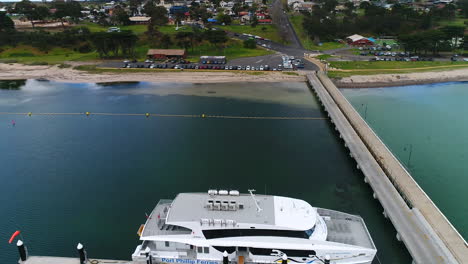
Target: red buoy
column 15, row 234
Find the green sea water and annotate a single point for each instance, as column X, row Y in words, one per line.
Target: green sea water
column 70, row 179
column 426, row 127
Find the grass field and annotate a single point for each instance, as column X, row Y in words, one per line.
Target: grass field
column 296, row 21
column 458, row 21
column 30, row 55
column 137, row 29
column 234, row 49
column 379, row 65
column 271, row 32
column 386, row 67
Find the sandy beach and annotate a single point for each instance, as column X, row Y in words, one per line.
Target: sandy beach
column 385, row 80
column 54, row 73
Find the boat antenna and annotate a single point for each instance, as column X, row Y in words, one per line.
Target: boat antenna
column 259, row 209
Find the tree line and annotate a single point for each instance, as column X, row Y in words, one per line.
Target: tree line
column 325, row 23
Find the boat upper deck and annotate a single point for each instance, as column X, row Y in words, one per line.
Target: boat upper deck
column 346, row 228
column 156, row 223
column 241, row 211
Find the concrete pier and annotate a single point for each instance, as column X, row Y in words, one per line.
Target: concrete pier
column 425, row 231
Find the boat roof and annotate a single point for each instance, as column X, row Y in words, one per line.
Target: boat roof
column 247, row 211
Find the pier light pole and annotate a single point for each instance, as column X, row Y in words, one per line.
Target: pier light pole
column 410, row 153
column 365, row 110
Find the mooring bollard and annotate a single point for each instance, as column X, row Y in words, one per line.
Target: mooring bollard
column 327, row 259
column 82, row 253
column 225, row 257
column 285, row 259
column 149, row 258
column 22, row 250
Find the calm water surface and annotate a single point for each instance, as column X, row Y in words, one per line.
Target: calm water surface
column 70, row 179
column 426, row 127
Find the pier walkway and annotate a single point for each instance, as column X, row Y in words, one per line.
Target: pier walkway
column 426, row 233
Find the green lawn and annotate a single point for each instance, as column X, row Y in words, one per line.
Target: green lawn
column 28, row 54
column 458, row 21
column 296, row 21
column 387, row 67
column 342, row 74
column 271, row 31
column 234, row 49
column 376, row 65
column 137, row 29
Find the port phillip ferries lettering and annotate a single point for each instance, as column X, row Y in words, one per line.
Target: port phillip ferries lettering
column 188, row 261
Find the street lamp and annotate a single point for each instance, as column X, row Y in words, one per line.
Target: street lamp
column 365, row 110
column 410, row 152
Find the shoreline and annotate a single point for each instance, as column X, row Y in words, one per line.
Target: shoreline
column 54, row 73
column 392, row 80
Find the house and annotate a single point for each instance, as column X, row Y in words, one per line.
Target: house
column 290, row 2
column 260, row 15
column 358, row 40
column 306, row 6
column 140, row 20
column 161, row 54
column 245, row 19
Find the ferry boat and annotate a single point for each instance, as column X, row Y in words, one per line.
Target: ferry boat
column 223, row 226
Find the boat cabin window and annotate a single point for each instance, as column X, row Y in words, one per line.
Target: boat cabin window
column 219, row 233
column 289, row 252
column 206, row 250
column 229, row 250
column 166, row 243
column 199, row 249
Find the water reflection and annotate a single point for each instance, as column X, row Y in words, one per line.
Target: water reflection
column 12, row 84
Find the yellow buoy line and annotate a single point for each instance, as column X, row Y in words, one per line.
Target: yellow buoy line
column 147, row 115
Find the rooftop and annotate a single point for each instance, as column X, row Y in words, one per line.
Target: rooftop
column 169, row 52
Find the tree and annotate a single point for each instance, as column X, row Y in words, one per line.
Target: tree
column 148, row 8
column 120, row 17
column 6, row 24
column 224, row 19
column 237, row 7
column 28, row 9
column 153, row 32
column 463, row 5
column 216, row 37
column 184, row 39
column 134, row 4
column 250, row 43
column 453, row 35
column 107, row 42
column 166, row 41
column 254, row 21
column 67, row 9
column 159, row 16
column 42, row 12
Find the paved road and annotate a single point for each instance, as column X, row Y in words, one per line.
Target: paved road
column 280, row 18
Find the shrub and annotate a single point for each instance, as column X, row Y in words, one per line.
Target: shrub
column 39, row 63
column 85, row 48
column 250, row 44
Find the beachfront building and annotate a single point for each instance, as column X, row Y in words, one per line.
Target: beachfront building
column 139, row 20
column 358, row 40
column 162, row 54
